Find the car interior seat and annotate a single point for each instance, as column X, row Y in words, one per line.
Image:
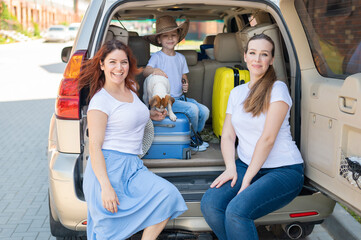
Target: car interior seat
column 195, row 75
column 116, row 32
column 141, row 51
column 225, row 55
column 207, row 48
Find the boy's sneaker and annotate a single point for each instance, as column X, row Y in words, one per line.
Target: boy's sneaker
column 204, row 144
column 198, row 149
column 196, row 145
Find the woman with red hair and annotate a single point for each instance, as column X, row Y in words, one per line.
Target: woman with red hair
column 122, row 195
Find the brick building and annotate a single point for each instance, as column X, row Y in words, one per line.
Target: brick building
column 46, row 12
column 333, row 26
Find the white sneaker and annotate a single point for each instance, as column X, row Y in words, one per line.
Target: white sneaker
column 205, row 144
column 199, row 148
column 199, row 138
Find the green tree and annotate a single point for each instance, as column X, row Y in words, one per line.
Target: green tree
column 10, row 22
column 5, row 16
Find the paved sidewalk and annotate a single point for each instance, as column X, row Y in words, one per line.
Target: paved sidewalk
column 23, row 172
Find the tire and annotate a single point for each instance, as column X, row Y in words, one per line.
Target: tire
column 61, row 232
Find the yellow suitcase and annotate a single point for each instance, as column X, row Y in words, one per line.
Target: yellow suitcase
column 225, row 79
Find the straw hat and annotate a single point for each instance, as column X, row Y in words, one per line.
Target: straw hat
column 166, row 24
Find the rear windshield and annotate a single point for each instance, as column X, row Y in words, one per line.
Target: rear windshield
column 198, row 30
column 333, row 29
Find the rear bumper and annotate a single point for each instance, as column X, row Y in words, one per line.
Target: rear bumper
column 71, row 211
column 65, row 204
column 193, row 220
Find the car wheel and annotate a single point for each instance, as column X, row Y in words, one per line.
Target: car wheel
column 61, row 232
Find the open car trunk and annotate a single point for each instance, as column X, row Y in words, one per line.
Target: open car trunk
column 193, row 176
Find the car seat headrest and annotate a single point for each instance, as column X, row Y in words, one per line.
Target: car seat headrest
column 209, row 39
column 118, row 33
column 225, row 48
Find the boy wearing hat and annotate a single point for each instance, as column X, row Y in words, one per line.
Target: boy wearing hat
column 172, row 65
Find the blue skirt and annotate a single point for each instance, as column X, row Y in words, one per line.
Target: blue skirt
column 145, row 198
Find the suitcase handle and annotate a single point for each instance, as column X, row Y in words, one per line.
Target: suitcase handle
column 236, row 76
column 237, row 81
column 165, row 125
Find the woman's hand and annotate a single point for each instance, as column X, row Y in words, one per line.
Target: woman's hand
column 110, row 199
column 159, row 72
column 228, row 174
column 157, row 116
column 245, row 184
column 185, row 86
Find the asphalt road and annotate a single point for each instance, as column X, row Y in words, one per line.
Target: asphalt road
column 29, row 77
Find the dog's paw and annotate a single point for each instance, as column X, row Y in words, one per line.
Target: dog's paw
column 172, row 117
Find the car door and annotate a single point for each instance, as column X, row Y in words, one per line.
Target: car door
column 327, row 39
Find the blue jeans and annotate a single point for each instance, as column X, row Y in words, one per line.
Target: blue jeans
column 232, row 216
column 198, row 113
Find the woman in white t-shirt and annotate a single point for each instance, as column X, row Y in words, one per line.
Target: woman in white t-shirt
column 122, row 195
column 269, row 171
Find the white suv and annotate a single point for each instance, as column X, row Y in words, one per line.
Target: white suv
column 318, row 56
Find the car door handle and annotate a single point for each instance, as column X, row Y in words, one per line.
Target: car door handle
column 347, row 106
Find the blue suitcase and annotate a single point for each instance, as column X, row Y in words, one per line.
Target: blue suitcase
column 171, row 139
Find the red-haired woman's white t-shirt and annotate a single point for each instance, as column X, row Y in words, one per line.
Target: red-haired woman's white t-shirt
column 126, row 122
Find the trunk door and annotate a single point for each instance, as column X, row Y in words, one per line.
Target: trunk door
column 327, row 38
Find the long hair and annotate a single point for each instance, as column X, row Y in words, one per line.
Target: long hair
column 92, row 77
column 259, row 97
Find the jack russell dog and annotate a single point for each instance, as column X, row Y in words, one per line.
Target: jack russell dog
column 156, row 90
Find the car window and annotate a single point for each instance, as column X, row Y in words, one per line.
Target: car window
column 198, row 30
column 333, row 31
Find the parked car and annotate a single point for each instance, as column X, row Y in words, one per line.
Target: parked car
column 73, row 30
column 316, row 42
column 57, row 33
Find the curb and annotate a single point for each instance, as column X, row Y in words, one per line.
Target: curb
column 341, row 225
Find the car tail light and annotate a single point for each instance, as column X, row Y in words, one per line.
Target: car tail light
column 303, row 214
column 67, row 102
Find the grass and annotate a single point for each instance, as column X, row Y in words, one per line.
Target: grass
column 6, row 40
column 352, row 213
